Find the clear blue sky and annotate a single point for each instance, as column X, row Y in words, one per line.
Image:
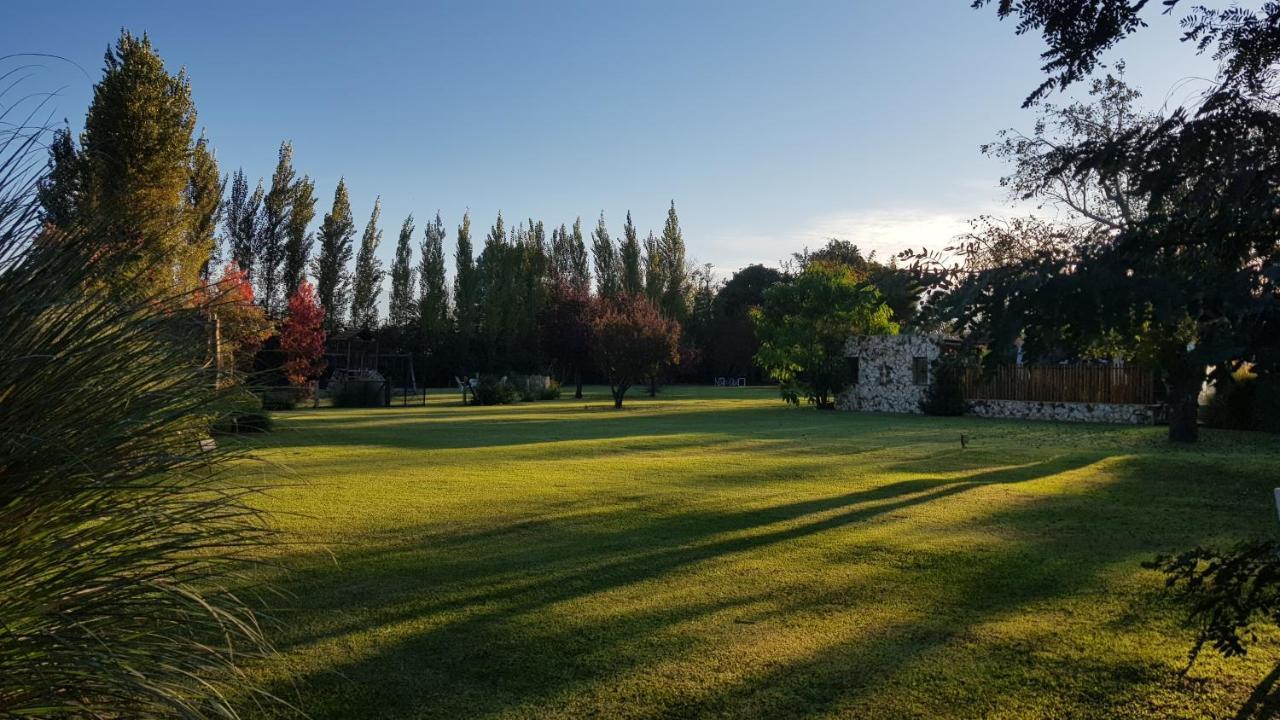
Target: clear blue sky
column 772, row 125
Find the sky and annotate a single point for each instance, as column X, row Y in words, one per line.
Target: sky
column 772, row 126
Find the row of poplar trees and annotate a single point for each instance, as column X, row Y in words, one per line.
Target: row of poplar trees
column 140, row 169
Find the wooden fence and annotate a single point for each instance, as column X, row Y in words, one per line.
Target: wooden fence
column 1062, row 383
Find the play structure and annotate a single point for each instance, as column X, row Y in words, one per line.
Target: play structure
column 361, row 375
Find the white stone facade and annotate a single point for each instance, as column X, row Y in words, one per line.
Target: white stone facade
column 892, row 372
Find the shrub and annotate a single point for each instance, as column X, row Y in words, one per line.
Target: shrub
column 241, row 411
column 945, row 394
column 1244, row 401
column 492, row 390
column 551, row 391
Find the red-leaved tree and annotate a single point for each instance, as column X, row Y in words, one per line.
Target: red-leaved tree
column 302, row 337
column 633, row 340
column 565, row 325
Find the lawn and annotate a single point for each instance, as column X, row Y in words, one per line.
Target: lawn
column 713, row 553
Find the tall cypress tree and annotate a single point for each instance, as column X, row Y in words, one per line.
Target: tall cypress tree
column 675, row 291
column 270, row 251
column 204, row 200
column 466, row 293
column 298, row 242
column 366, row 283
column 433, row 299
column 402, row 306
column 579, row 261
column 629, row 255
column 135, row 164
column 333, row 279
column 605, row 256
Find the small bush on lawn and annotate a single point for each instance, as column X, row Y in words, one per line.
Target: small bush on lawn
column 493, row 391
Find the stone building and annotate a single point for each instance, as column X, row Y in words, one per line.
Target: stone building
column 890, row 372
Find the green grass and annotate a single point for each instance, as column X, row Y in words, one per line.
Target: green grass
column 717, row 554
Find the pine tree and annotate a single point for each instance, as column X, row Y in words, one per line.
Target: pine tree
column 671, row 246
column 466, row 292
column 333, row 280
column 270, row 249
column 135, row 164
column 366, row 283
column 402, row 308
column 298, row 242
column 433, row 300
column 59, row 190
column 204, row 200
column 629, row 256
column 579, row 262
column 605, row 255
column 654, row 278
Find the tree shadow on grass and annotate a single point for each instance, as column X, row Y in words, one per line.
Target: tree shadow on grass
column 480, row 640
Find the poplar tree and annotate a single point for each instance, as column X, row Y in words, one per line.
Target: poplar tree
column 608, row 278
column 270, row 251
column 654, row 278
column 497, row 266
column 466, row 290
column 433, row 299
column 244, row 222
column 676, row 279
column 333, row 280
column 204, row 200
column 579, row 262
column 402, row 307
column 298, row 242
column 629, row 254
column 135, row 167
column 558, row 261
column 366, row 283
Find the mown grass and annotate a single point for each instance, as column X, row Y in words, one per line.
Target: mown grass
column 716, row 554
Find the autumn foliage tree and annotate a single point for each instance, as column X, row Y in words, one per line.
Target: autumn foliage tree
column 240, row 326
column 633, row 341
column 302, row 337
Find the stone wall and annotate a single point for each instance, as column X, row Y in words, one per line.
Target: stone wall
column 885, row 382
column 1063, row 411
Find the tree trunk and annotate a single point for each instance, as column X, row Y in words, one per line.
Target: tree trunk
column 1184, row 411
column 618, row 393
column 577, row 380
column 653, row 386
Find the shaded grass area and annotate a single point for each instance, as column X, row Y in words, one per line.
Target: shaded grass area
column 712, row 553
